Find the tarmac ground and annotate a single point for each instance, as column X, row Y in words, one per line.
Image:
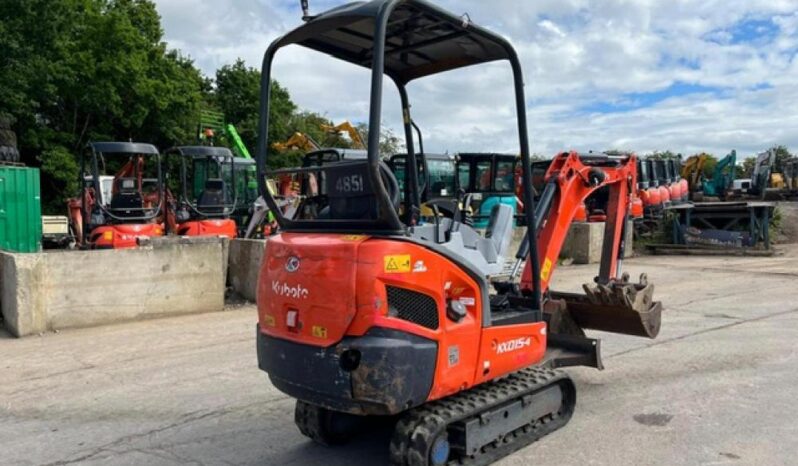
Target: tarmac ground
column 718, row 386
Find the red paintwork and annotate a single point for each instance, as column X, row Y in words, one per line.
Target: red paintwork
column 123, row 236
column 651, row 198
column 340, row 286
column 211, row 227
column 675, row 190
column 636, row 208
column 581, row 213
column 685, row 189
column 664, row 195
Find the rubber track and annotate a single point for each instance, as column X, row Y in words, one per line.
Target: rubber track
column 310, row 421
column 419, row 427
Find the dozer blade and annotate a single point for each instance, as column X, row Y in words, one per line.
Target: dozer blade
column 617, row 307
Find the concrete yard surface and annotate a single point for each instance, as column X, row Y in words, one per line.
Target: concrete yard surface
column 717, row 387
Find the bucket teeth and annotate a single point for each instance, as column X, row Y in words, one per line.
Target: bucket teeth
column 618, row 306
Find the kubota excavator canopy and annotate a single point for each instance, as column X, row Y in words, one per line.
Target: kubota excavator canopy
column 421, row 39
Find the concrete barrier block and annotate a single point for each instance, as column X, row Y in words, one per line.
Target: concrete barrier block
column 244, row 264
column 584, row 242
column 21, row 300
column 66, row 289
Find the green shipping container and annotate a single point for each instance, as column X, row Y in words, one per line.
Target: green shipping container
column 20, row 209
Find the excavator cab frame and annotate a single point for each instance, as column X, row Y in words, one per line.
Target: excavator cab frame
column 359, row 30
column 207, row 191
column 723, row 176
column 130, row 213
column 489, row 181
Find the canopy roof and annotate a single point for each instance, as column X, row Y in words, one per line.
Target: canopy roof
column 124, row 148
column 421, row 39
column 204, row 151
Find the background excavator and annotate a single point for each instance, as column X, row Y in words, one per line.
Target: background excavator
column 490, row 179
column 346, row 127
column 297, row 141
column 135, row 208
column 364, row 310
column 693, row 172
column 722, row 177
column 205, row 182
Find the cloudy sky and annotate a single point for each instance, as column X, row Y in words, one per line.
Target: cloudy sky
column 642, row 75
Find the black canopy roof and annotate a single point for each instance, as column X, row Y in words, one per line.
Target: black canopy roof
column 203, row 151
column 421, row 39
column 124, row 148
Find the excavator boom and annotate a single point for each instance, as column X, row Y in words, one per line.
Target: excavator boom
column 297, row 140
column 348, row 128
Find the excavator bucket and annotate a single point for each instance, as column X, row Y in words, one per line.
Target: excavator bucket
column 618, row 307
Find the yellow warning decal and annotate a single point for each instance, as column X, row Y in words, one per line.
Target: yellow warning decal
column 397, row 263
column 353, row 237
column 319, row 331
column 545, row 270
column 268, row 320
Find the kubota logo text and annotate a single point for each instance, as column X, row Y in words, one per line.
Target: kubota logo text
column 284, row 289
column 512, row 345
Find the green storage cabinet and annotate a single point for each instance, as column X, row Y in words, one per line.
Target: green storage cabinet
column 20, row 209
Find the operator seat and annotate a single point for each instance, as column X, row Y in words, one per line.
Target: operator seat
column 127, row 201
column 212, row 199
column 486, row 253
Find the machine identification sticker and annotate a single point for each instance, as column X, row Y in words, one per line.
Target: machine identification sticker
column 397, row 263
column 467, row 301
column 268, row 320
column 546, row 269
column 454, row 355
column 319, row 331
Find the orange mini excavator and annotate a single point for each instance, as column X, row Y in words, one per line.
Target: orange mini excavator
column 206, row 192
column 364, row 310
column 131, row 209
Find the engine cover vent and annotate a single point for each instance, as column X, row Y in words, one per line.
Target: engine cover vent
column 412, row 306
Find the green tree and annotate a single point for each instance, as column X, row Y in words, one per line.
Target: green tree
column 782, row 155
column 747, row 169
column 390, row 142
column 237, row 94
column 80, row 70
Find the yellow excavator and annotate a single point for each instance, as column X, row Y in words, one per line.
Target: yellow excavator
column 693, row 171
column 348, row 128
column 297, row 141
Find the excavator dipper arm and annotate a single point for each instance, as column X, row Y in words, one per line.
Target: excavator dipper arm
column 612, row 303
column 574, row 179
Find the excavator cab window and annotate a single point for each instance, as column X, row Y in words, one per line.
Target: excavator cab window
column 504, row 176
column 442, row 180
column 483, row 171
column 208, row 181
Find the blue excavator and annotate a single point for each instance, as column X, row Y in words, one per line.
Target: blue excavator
column 722, row 177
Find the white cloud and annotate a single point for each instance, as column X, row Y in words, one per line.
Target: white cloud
column 575, row 54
